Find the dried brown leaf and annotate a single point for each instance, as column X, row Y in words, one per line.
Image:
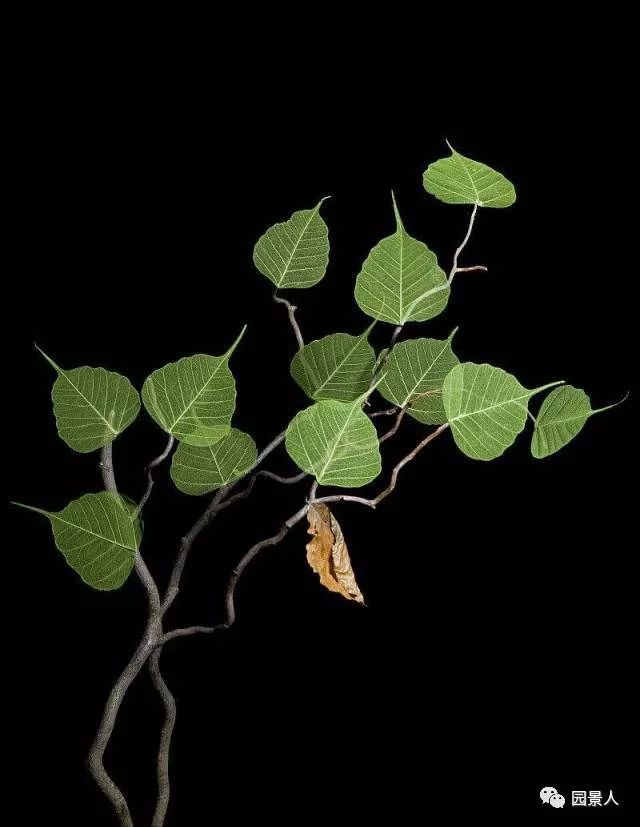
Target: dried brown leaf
column 327, row 553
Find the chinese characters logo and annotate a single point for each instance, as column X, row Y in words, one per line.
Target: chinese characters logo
column 579, row 798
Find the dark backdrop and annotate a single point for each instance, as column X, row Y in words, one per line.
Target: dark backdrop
column 497, row 627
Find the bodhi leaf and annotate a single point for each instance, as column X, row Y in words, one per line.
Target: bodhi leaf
column 339, row 366
column 201, row 470
column 414, row 374
column 400, row 280
column 561, row 417
column 194, row 398
column 486, row 408
column 92, row 406
column 327, row 553
column 336, row 442
column 459, row 180
column 295, row 253
column 99, row 535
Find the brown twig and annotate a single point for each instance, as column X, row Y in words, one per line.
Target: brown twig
column 291, row 310
column 169, row 703
column 236, row 574
column 372, row 503
column 154, row 464
column 387, row 412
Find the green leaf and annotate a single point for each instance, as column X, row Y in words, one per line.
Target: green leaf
column 194, row 398
column 339, row 366
column 400, row 280
column 99, row 535
column 414, row 374
column 295, row 253
column 486, row 408
column 336, row 442
column 561, row 417
column 459, row 180
column 201, row 470
column 92, row 406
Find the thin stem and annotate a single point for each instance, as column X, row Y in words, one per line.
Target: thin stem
column 456, row 255
column 169, row 703
column 154, row 464
column 269, row 475
column 387, row 412
column 372, row 503
column 471, row 269
column 212, row 509
column 395, row 425
column 236, row 574
column 394, row 338
column 291, row 310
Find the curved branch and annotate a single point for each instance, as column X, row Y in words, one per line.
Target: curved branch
column 291, row 310
column 105, row 730
column 372, row 503
column 454, row 267
column 152, row 632
column 209, row 513
column 169, row 703
column 236, row 574
column 154, row 464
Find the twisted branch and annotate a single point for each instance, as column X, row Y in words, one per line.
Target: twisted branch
column 151, row 634
column 291, row 310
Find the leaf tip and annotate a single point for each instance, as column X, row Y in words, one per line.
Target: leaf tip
column 399, row 223
column 48, row 358
column 448, row 143
column 237, row 342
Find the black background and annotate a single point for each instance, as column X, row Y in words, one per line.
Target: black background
column 497, row 632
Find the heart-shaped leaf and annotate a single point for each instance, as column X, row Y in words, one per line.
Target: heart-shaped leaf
column 459, row 180
column 336, row 442
column 400, row 280
column 295, row 253
column 561, row 417
column 339, row 366
column 486, row 408
column 201, row 470
column 194, row 398
column 99, row 535
column 92, row 406
column 414, row 375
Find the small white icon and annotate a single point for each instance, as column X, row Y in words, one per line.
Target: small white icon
column 556, row 800
column 546, row 793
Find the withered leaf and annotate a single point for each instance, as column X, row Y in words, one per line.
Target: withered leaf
column 327, row 553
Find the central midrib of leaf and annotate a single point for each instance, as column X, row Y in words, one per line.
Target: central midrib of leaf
column 197, row 396
column 297, row 244
column 461, row 163
column 112, row 540
column 400, row 232
column 513, row 400
column 90, row 404
column 338, row 438
column 556, row 421
column 426, row 371
column 338, row 366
